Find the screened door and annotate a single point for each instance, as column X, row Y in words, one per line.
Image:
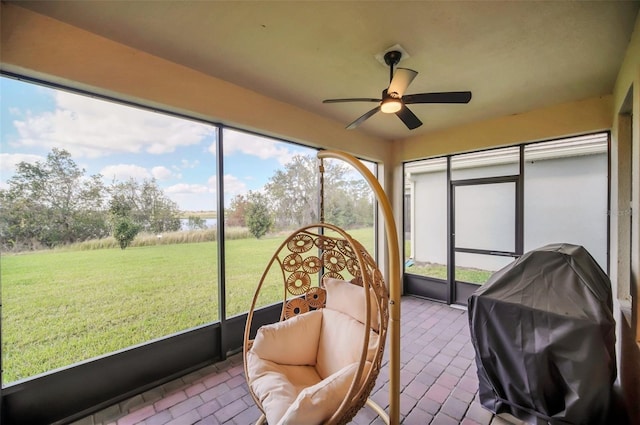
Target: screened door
column 484, row 231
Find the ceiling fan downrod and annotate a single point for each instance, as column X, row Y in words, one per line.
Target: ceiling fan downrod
column 392, row 58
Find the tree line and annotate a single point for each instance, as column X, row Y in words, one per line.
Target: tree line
column 291, row 199
column 53, row 202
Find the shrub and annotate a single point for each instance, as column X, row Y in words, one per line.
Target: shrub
column 257, row 216
column 125, row 230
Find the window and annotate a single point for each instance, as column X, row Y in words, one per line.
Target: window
column 566, row 194
column 271, row 188
column 497, row 204
column 349, row 202
column 275, row 184
column 107, row 225
column 426, row 187
column 110, row 223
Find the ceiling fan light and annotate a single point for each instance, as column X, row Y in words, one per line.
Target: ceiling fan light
column 391, row 105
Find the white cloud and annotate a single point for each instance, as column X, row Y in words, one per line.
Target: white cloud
column 93, row 128
column 185, row 188
column 8, row 162
column 248, row 144
column 194, row 197
column 232, row 186
column 122, row 172
column 185, row 163
column 161, row 173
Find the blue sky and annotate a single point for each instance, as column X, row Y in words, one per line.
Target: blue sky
column 120, row 142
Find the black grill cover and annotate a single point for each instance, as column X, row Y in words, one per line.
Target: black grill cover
column 544, row 335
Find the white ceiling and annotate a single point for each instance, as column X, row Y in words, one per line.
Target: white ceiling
column 514, row 56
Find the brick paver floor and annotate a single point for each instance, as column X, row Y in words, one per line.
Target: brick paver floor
column 438, row 381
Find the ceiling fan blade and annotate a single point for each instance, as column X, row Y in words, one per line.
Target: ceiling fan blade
column 355, row 99
column 363, row 118
column 401, row 80
column 408, row 118
column 445, row 97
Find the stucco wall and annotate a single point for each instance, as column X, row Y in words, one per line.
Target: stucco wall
column 565, row 201
column 625, row 196
column 429, row 220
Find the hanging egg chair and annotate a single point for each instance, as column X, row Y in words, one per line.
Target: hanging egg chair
column 319, row 363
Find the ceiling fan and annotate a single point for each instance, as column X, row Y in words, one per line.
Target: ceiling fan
column 394, row 100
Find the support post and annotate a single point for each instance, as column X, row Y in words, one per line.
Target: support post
column 394, row 279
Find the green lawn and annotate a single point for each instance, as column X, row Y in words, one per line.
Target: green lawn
column 439, row 271
column 61, row 307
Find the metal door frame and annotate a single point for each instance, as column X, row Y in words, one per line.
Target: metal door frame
column 459, row 291
column 449, row 290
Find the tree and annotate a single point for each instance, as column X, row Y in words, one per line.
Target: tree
column 237, row 211
column 125, row 231
column 52, row 203
column 161, row 213
column 257, row 216
column 20, row 225
column 349, row 203
column 146, row 205
column 196, row 223
column 293, row 192
column 137, row 206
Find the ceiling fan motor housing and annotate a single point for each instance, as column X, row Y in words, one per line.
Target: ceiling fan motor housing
column 393, row 99
column 392, row 57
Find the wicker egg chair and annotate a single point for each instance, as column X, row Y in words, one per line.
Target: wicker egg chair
column 319, row 363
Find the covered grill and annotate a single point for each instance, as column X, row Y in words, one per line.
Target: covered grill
column 544, row 335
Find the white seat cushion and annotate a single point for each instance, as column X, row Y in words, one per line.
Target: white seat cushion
column 341, row 339
column 349, row 299
column 278, row 386
column 302, row 368
column 291, row 342
column 317, row 403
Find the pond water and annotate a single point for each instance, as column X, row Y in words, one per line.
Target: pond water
column 211, row 223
